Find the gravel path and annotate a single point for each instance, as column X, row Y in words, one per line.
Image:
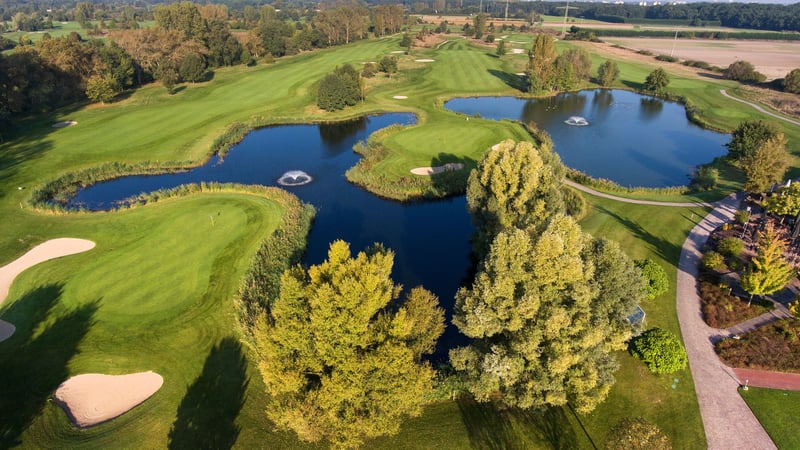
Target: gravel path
column 758, row 108
column 728, row 422
column 591, row 191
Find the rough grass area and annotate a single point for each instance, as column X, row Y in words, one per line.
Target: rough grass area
column 775, row 346
column 777, row 412
column 723, row 310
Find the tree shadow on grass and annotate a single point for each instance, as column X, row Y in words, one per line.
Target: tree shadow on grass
column 492, row 428
column 452, row 182
column 515, row 81
column 633, row 85
column 665, row 249
column 35, row 364
column 207, row 415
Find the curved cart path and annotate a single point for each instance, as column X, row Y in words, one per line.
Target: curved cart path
column 54, row 248
column 591, row 191
column 758, row 108
column 727, row 419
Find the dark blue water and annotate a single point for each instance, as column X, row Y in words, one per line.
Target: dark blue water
column 631, row 139
column 430, row 240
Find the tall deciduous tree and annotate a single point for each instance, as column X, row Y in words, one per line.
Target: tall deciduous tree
column 768, row 272
column 607, row 73
column 340, row 360
column 580, row 61
column 766, row 165
column 541, row 63
column 748, row 136
column 542, row 331
column 657, row 81
column 743, row 71
column 102, row 88
column 479, row 24
column 514, row 185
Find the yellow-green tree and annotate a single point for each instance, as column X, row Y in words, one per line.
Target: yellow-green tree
column 341, row 361
column 766, row 165
column 514, row 185
column 768, row 272
column 543, row 323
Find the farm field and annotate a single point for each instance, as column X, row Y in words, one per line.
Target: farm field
column 115, row 310
column 774, row 58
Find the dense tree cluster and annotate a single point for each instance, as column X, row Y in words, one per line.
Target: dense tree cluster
column 341, row 360
column 744, row 71
column 340, row 89
column 791, row 83
column 549, row 303
column 547, row 71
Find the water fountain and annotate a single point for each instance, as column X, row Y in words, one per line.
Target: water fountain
column 577, row 121
column 294, row 178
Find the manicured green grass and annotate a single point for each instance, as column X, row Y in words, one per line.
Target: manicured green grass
column 157, row 291
column 777, row 412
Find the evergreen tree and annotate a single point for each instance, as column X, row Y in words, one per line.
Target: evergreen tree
column 341, row 361
column 768, row 271
column 501, row 48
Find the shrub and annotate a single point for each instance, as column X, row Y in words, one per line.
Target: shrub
column 770, row 347
column 645, row 52
column 714, row 261
column 730, row 246
column 388, row 64
column 657, row 282
column 657, row 81
column 744, row 71
column 706, row 178
column 339, row 89
column 636, row 434
column 667, row 58
column 369, row 70
column 791, row 83
column 722, row 310
column 574, row 203
column 607, row 73
column 660, row 350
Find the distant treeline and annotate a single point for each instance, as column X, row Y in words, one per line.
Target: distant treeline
column 687, row 34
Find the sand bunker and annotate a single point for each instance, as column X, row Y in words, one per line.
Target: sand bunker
column 400, row 97
column 7, row 330
column 449, row 167
column 93, row 398
column 67, row 123
column 517, row 51
column 398, row 51
column 424, row 60
column 51, row 249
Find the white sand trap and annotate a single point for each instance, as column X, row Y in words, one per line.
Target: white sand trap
column 449, row 167
column 45, row 251
column 398, row 51
column 400, row 97
column 67, row 123
column 517, row 51
column 93, row 398
column 424, row 60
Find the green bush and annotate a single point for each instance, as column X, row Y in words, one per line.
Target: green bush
column 657, row 281
column 667, row 58
column 730, row 246
column 660, row 350
column 745, row 72
column 339, row 89
column 741, row 216
column 705, row 179
column 714, row 261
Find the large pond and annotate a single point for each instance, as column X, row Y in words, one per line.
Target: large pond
column 430, row 240
column 631, row 139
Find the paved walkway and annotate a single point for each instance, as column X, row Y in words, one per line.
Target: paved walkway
column 591, row 191
column 767, row 379
column 758, row 108
column 780, row 312
column 728, row 422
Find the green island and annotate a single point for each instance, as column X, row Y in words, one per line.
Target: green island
column 159, row 291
